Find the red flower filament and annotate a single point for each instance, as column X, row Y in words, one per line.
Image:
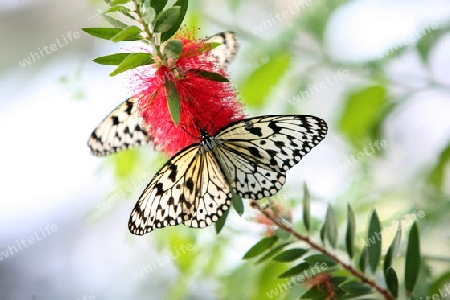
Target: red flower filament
column 204, row 103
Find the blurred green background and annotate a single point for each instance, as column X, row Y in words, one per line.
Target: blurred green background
column 376, row 71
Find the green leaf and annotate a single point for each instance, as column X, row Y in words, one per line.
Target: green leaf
column 236, row 201
column 323, row 233
column 167, row 19
column 427, row 42
column 436, row 176
column 350, row 235
column 392, row 281
column 132, row 61
column 258, row 85
column 114, row 22
column 392, row 251
column 315, row 293
column 331, row 226
column 260, row 247
column 306, row 208
column 183, row 5
column 173, row 49
column 300, row 268
column 374, row 241
column 362, row 112
column 320, row 259
column 272, row 252
column 126, row 33
column 221, row 222
column 107, row 33
column 413, row 259
column 113, row 59
column 173, row 101
column 356, row 288
column 118, row 2
column 364, row 260
column 209, row 75
column 290, row 255
column 158, row 5
column 439, row 282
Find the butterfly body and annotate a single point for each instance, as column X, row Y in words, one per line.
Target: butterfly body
column 248, row 157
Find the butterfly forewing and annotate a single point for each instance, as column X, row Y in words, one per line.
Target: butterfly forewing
column 186, row 190
column 226, row 51
column 120, row 130
column 256, row 152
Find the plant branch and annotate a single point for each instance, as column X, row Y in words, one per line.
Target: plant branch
column 282, row 225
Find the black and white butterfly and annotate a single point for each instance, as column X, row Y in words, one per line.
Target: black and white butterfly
column 123, row 129
column 249, row 157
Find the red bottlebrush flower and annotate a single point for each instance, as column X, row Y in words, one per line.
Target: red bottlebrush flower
column 204, row 103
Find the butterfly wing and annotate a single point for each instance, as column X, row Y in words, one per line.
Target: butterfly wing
column 188, row 189
column 255, row 153
column 120, row 130
column 226, row 51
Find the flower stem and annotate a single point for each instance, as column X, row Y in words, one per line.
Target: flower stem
column 282, row 225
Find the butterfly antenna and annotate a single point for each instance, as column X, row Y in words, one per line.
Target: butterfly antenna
column 212, row 119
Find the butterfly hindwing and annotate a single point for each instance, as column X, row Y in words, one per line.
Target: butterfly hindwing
column 120, row 130
column 255, row 153
column 186, row 190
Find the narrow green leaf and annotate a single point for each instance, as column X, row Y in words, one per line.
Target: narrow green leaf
column 173, row 101
column 236, row 201
column 374, row 241
column 272, row 252
column 209, row 75
column 114, row 22
column 107, row 33
column 158, row 5
column 364, row 260
column 260, row 247
column 167, row 19
column 413, row 259
column 363, row 110
column 118, row 2
column 427, row 42
column 392, row 251
column 331, row 226
column 315, row 293
column 356, row 288
column 323, row 233
column 126, row 33
column 221, row 222
column 290, row 255
column 132, row 61
column 183, row 5
column 320, row 260
column 350, row 235
column 113, row 59
column 436, row 176
column 392, row 281
column 173, row 49
column 306, row 208
column 258, row 85
column 439, row 283
column 338, row 280
column 300, row 268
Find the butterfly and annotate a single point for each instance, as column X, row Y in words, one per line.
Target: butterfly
column 249, row 157
column 122, row 128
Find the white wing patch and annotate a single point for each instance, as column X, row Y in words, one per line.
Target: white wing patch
column 250, row 156
column 226, row 52
column 120, row 130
